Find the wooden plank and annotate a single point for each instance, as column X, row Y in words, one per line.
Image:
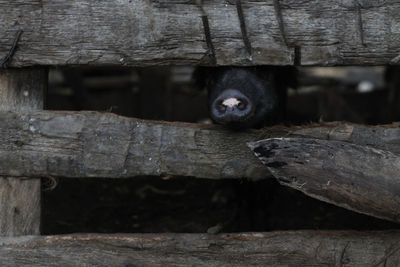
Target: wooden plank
column 19, row 206
column 22, row 89
column 301, row 248
column 20, row 199
column 93, row 144
column 360, row 178
column 385, row 137
column 142, row 33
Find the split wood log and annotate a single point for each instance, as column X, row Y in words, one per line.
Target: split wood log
column 301, row 248
column 160, row 32
column 20, row 206
column 360, row 178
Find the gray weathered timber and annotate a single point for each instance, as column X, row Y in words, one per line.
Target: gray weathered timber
column 22, row 89
column 385, row 137
column 359, row 178
column 94, row 144
column 142, row 32
column 291, row 248
column 20, row 206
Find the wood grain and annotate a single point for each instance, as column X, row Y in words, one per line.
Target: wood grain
column 94, row 144
column 20, row 198
column 301, row 248
column 19, row 206
column 22, row 89
column 360, row 178
column 160, row 32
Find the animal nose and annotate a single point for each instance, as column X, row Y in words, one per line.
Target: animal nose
column 231, row 106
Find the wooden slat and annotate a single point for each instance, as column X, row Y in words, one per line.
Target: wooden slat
column 22, row 89
column 142, row 33
column 302, row 248
column 359, row 178
column 93, row 144
column 20, row 206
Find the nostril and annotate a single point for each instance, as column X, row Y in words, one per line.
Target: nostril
column 242, row 104
column 220, row 107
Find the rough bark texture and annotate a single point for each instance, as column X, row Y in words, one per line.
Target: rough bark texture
column 303, row 248
column 20, row 198
column 139, row 33
column 359, row 178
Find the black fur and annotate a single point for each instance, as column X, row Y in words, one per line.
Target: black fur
column 264, row 86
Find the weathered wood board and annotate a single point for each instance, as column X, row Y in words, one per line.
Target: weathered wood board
column 20, row 198
column 20, row 206
column 302, row 248
column 142, row 32
column 94, row 144
column 22, row 89
column 359, row 178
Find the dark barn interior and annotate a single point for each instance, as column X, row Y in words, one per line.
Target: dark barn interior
column 365, row 95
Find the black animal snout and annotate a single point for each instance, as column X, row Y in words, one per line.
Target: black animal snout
column 231, row 106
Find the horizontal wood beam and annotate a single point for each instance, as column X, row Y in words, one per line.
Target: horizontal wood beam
column 95, row 144
column 159, row 32
column 300, row 248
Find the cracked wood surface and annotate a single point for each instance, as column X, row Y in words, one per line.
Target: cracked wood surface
column 291, row 248
column 20, row 198
column 94, row 144
column 361, row 178
column 161, row 32
column 349, row 165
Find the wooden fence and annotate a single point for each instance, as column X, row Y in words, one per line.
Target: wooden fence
column 36, row 143
column 140, row 33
